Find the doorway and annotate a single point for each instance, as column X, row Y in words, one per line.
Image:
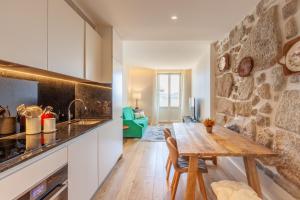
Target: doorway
column 169, row 97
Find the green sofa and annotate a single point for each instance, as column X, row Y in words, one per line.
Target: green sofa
column 136, row 127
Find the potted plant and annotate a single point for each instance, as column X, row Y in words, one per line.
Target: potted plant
column 209, row 123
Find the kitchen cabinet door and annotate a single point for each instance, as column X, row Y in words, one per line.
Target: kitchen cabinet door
column 65, row 39
column 82, row 167
column 92, row 54
column 24, row 32
column 110, row 135
column 109, row 148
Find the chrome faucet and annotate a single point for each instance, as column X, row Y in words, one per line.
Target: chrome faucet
column 69, row 108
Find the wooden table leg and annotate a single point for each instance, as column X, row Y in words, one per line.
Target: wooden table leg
column 191, row 178
column 252, row 175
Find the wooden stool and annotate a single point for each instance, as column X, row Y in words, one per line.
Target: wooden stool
column 181, row 166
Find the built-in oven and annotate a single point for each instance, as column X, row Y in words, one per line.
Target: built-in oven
column 55, row 187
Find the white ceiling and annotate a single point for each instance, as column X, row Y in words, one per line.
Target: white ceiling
column 153, row 40
column 150, row 19
column 164, row 54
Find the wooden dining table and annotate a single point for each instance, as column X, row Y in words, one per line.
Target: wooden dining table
column 193, row 141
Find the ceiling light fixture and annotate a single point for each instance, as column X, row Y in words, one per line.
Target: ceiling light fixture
column 174, row 17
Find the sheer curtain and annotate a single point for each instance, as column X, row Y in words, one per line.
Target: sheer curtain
column 155, row 106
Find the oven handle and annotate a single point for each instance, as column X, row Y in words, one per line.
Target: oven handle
column 59, row 189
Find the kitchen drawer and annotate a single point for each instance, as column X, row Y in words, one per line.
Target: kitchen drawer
column 24, row 178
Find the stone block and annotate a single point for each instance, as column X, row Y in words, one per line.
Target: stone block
column 291, row 29
column 225, row 46
column 233, row 62
column 255, row 100
column 249, row 129
column 264, row 91
column 224, row 85
column 264, row 136
column 266, row 108
column 260, row 8
column 262, row 121
column 289, row 9
column 261, row 78
column 243, row 108
column 276, row 97
column 249, row 19
column 287, row 145
column 254, row 112
column 278, row 78
column 264, row 43
column 295, row 78
column 245, row 88
column 288, row 111
column 225, row 106
column 236, row 35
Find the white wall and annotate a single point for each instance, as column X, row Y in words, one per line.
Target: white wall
column 142, row 80
column 163, row 55
column 187, row 92
column 201, row 81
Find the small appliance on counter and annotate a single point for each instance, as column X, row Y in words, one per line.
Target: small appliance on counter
column 7, row 123
column 36, row 118
column 48, row 120
column 33, row 118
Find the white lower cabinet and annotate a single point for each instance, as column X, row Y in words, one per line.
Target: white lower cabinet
column 83, row 167
column 65, row 39
column 109, row 148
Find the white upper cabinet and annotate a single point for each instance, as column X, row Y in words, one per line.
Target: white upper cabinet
column 92, row 54
column 23, row 35
column 65, row 39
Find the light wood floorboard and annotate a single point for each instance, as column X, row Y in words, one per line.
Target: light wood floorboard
column 140, row 174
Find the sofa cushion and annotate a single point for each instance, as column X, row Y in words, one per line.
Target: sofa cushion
column 142, row 121
column 139, row 115
column 128, row 113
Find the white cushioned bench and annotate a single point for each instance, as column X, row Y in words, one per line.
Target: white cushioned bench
column 233, row 190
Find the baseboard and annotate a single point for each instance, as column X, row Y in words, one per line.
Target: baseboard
column 271, row 191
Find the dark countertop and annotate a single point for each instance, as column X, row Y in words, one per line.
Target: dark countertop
column 18, row 148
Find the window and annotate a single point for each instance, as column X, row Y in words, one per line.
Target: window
column 169, row 90
column 174, row 90
column 163, row 90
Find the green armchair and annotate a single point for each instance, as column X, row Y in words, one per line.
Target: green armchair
column 136, row 127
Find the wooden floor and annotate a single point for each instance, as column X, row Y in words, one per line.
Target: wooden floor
column 140, row 175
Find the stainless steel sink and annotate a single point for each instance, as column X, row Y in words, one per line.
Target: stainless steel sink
column 86, row 122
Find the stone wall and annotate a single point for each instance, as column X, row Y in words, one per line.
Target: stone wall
column 265, row 106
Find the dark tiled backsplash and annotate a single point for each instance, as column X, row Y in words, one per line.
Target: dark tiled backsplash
column 97, row 100
column 56, row 93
